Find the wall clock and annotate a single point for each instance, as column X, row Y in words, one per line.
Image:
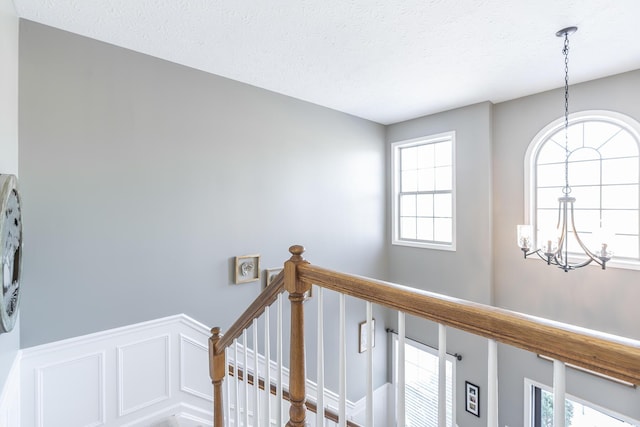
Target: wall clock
column 10, row 251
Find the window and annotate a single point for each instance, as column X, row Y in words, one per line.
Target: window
column 421, row 385
column 423, row 174
column 604, row 176
column 578, row 413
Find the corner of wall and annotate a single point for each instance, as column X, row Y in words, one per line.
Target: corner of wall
column 10, row 395
column 9, row 23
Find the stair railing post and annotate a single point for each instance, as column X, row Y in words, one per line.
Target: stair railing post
column 217, row 372
column 297, row 373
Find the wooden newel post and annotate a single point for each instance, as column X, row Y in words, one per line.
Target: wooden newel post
column 217, row 371
column 297, row 372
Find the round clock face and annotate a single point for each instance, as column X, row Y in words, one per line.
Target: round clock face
column 11, row 251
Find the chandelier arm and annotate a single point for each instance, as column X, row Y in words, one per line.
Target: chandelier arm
column 586, row 250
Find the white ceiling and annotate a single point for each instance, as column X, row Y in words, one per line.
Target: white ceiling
column 383, row 60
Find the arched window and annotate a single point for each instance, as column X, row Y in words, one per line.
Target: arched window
column 603, row 173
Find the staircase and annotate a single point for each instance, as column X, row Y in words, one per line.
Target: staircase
column 237, row 403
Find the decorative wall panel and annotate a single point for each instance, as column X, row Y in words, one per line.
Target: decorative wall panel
column 194, row 372
column 71, row 392
column 143, row 374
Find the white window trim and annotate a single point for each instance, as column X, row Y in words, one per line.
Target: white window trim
column 528, row 410
column 395, row 188
column 432, row 351
column 619, row 119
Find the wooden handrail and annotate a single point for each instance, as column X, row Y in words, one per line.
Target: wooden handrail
column 611, row 355
column 266, row 298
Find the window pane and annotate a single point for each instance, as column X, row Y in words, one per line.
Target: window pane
column 586, row 197
column 625, row 246
column 582, row 154
column 408, row 205
column 426, row 179
column 443, row 178
column 576, row 134
column 548, row 197
column 587, row 220
column 409, row 181
column 443, row 155
column 550, row 175
column 621, row 221
column 442, row 230
column 442, row 205
column 620, row 171
column 584, row 173
column 425, row 205
column 597, row 133
column 407, row 228
column 576, row 414
column 620, row 196
column 409, row 158
column 421, row 388
column 623, row 145
column 547, row 219
column 425, row 229
column 425, row 156
column 550, row 153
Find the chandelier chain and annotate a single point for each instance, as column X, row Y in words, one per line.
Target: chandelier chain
column 565, row 52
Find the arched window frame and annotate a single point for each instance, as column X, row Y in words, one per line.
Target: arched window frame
column 530, row 163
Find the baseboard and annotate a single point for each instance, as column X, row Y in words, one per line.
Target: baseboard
column 185, row 416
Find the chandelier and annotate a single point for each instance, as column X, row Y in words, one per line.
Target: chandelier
column 554, row 249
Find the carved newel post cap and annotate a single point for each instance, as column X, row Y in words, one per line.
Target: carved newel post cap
column 296, row 252
column 215, row 331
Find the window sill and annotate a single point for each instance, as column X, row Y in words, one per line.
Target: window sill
column 423, row 245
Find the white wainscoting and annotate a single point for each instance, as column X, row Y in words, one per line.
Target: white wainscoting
column 138, row 375
column 10, row 396
column 151, row 374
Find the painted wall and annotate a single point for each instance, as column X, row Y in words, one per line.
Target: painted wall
column 9, row 342
column 465, row 273
column 143, row 179
column 602, row 300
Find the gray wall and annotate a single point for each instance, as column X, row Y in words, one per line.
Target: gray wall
column 465, row 273
column 142, row 179
column 589, row 297
column 9, row 342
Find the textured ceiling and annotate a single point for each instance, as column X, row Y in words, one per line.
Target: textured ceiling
column 383, row 60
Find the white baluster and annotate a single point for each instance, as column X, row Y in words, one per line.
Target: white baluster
column 442, row 375
column 256, row 376
column 279, row 399
column 227, row 407
column 369, row 419
column 492, row 381
column 342, row 404
column 267, row 371
column 400, row 405
column 245, row 371
column 236, row 374
column 559, row 388
column 320, row 359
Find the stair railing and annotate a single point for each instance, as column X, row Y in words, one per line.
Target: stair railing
column 606, row 354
